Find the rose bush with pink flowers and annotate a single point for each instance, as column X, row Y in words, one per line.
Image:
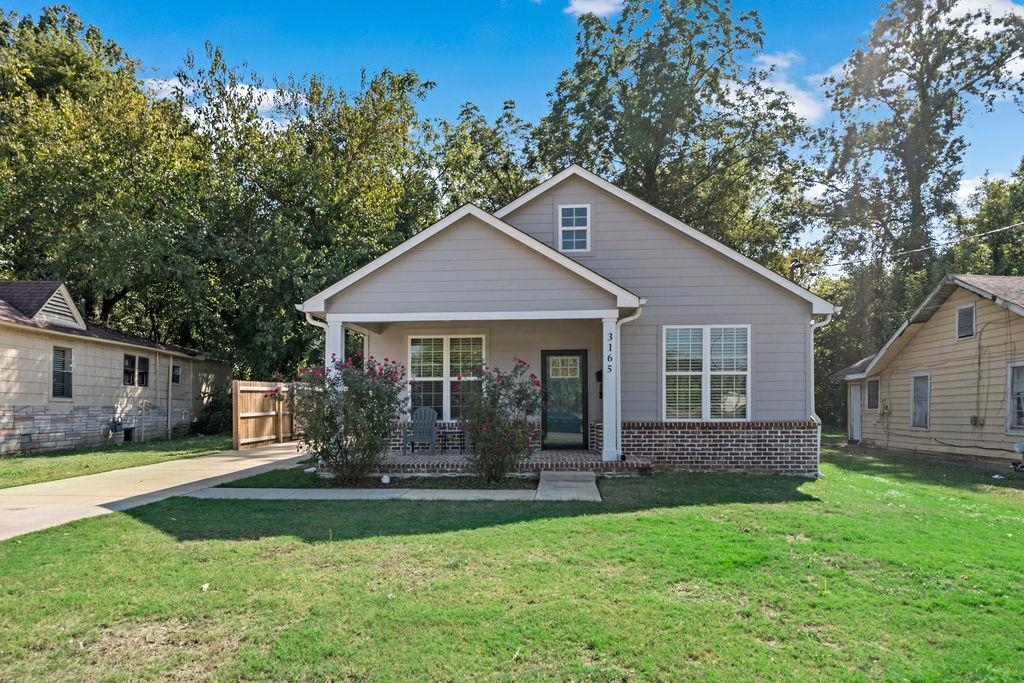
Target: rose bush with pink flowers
column 346, row 418
column 497, row 408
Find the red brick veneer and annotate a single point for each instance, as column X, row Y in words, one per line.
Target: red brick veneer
column 775, row 447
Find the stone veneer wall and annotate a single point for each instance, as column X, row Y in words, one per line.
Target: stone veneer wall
column 36, row 429
column 770, row 447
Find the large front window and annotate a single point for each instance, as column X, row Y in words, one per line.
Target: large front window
column 442, row 370
column 707, row 373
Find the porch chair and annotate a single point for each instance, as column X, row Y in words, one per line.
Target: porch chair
column 422, row 430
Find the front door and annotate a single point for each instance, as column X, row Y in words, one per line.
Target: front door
column 854, row 412
column 564, row 415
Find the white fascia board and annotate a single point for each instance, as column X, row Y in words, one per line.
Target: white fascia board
column 623, row 297
column 453, row 316
column 819, row 306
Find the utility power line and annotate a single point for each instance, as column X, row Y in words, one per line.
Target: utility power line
column 914, row 251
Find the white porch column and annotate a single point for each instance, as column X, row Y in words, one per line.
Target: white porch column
column 334, row 343
column 610, row 388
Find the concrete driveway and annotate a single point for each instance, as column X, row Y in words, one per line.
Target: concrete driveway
column 24, row 509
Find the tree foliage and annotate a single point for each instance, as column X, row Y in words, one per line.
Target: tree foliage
column 665, row 102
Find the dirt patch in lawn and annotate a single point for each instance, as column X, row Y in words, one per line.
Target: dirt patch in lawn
column 172, row 648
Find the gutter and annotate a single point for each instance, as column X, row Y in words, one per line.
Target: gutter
column 316, row 323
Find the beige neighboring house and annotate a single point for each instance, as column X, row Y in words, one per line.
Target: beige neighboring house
column 951, row 379
column 64, row 383
column 651, row 339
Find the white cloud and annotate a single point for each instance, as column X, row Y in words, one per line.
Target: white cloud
column 601, row 8
column 997, row 7
column 968, row 186
column 807, row 104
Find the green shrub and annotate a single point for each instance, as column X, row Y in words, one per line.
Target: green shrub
column 215, row 415
column 347, row 418
column 497, row 409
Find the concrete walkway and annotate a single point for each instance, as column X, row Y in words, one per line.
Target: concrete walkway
column 552, row 486
column 24, row 509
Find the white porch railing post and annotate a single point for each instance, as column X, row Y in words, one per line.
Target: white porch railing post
column 334, row 344
column 610, row 388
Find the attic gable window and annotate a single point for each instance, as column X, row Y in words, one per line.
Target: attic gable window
column 965, row 321
column 574, row 227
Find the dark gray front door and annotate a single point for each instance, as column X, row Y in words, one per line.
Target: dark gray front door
column 564, row 415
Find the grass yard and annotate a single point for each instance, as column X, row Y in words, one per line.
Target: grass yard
column 32, row 469
column 885, row 569
column 298, row 478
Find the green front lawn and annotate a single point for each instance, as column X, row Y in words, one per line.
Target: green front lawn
column 31, row 469
column 886, row 569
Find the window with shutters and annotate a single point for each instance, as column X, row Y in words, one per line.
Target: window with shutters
column 61, row 372
column 965, row 321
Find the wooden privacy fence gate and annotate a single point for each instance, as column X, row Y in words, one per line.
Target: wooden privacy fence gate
column 257, row 417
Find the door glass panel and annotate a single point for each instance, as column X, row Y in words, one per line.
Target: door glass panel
column 565, row 393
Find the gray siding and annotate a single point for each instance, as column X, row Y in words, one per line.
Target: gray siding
column 470, row 267
column 685, row 283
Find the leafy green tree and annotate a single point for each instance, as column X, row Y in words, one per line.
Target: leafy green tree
column 895, row 160
column 997, row 205
column 665, row 104
column 483, row 163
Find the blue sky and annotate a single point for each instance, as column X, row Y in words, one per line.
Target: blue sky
column 487, row 51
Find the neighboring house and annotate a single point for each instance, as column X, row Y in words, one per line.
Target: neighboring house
column 652, row 340
column 64, row 383
column 951, row 379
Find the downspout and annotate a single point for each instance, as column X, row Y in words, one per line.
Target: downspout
column 618, row 385
column 170, row 368
column 815, row 326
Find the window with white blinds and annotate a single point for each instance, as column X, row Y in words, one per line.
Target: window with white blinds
column 441, row 370
column 707, row 372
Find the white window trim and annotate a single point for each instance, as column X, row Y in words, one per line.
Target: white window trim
column 446, row 379
column 705, row 386
column 928, row 412
column 590, row 221
column 956, row 322
column 867, row 393
column 1010, row 428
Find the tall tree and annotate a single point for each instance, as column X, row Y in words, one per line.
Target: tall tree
column 895, row 161
column 665, row 102
column 483, row 163
column 106, row 203
column 310, row 184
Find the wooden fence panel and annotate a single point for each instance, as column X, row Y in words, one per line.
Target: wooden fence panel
column 259, row 420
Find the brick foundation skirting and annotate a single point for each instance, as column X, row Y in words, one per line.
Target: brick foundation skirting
column 768, row 447
column 448, row 439
column 37, row 429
